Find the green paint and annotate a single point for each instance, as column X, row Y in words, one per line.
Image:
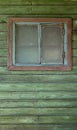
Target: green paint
column 3, row 36
column 40, row 127
column 37, row 119
column 74, row 52
column 13, row 105
column 38, row 79
column 3, row 44
column 3, row 52
column 33, row 2
column 38, row 95
column 3, row 27
column 44, row 10
column 38, row 112
column 3, row 61
column 74, row 45
column 25, row 95
column 38, row 87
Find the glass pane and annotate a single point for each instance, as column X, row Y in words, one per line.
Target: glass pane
column 26, row 43
column 52, row 44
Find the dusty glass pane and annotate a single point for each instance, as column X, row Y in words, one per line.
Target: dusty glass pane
column 52, row 44
column 26, row 43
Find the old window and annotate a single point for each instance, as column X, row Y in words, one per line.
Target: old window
column 39, row 44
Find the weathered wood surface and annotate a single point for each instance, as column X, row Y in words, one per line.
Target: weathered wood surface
column 36, row 10
column 38, row 126
column 37, row 100
column 26, row 104
column 38, row 112
column 38, row 2
column 37, row 95
column 37, row 119
column 38, row 87
column 38, row 78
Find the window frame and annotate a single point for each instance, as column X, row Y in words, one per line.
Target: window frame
column 67, row 21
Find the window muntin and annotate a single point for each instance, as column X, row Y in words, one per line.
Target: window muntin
column 40, row 44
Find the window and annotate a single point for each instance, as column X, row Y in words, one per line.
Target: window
column 39, row 44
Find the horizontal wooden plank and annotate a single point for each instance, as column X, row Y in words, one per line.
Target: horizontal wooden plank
column 39, row 126
column 18, row 120
column 56, row 2
column 38, row 119
column 58, row 103
column 38, row 87
column 54, row 10
column 38, row 112
column 15, row 2
column 38, row 95
column 38, row 78
column 14, row 10
column 58, row 119
column 33, row 2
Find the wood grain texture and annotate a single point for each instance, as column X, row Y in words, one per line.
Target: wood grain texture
column 40, row 127
column 37, row 100
column 31, row 2
column 26, row 104
column 38, row 112
column 37, row 95
column 38, row 87
column 37, row 119
column 38, row 78
column 37, row 10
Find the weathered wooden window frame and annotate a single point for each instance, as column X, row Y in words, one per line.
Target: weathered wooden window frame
column 11, row 45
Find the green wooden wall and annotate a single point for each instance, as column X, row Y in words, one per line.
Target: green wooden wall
column 37, row 100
